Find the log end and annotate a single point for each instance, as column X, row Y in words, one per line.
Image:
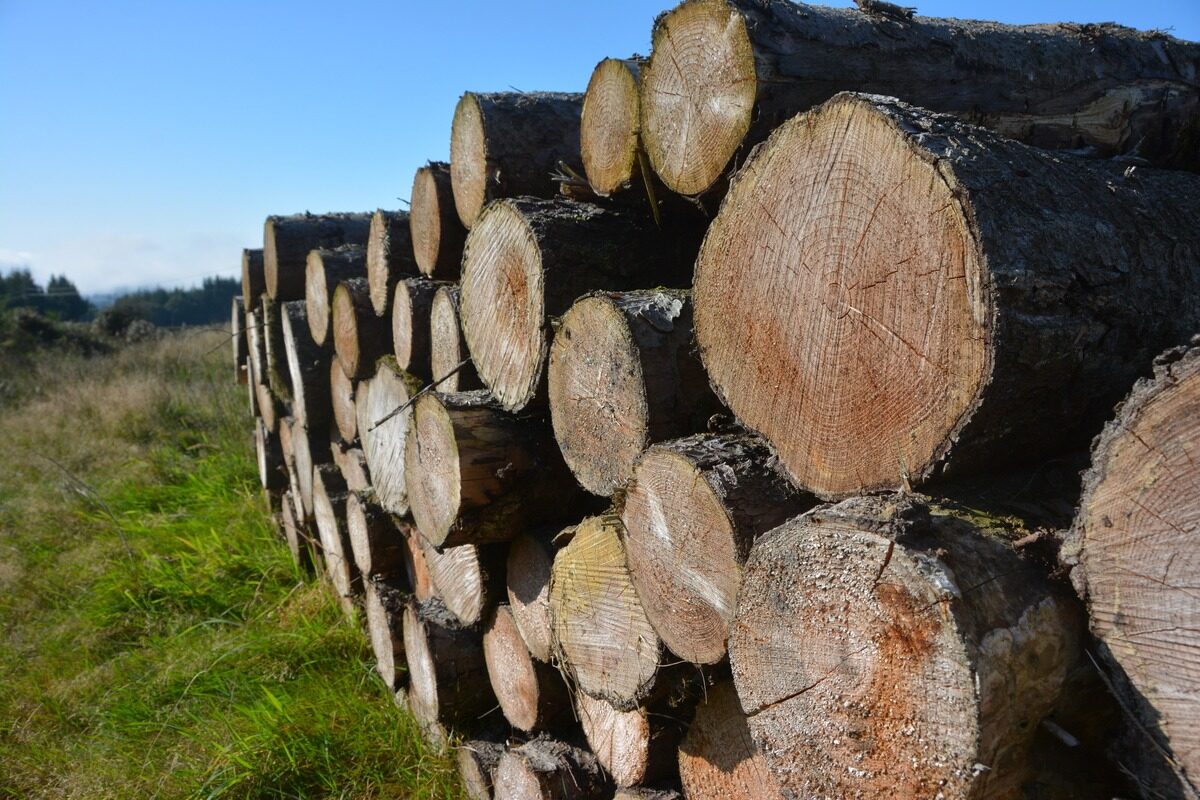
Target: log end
column 432, row 469
column 528, row 575
column 468, row 159
column 511, row 670
column 718, row 758
column 608, row 129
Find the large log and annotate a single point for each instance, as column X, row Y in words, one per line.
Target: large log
column 477, row 760
column 609, row 129
column 389, row 256
column 269, row 455
column 718, row 759
column 508, row 144
column 468, row 579
column 308, row 368
column 412, row 303
column 237, row 335
column 527, row 573
column 547, row 769
column 447, row 351
column 477, row 474
column 385, row 599
column 437, row 232
column 527, row 260
column 277, row 374
column 254, row 281
column 888, row 293
column 920, row 648
column 448, row 684
column 288, row 240
column 324, row 270
column 601, row 634
column 692, row 511
column 384, row 417
column 1133, row 547
column 532, row 694
column 375, row 539
column 623, row 374
column 359, row 337
column 329, row 497
column 724, row 73
column 342, row 401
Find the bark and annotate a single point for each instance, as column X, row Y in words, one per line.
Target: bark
column 642, row 793
column 718, row 759
column 341, row 398
column 385, row 598
column 377, row 544
column 447, row 676
column 601, row 634
column 1132, row 547
column 528, row 260
column 278, row 377
column 982, row 292
column 437, row 232
column 324, row 270
column 547, row 769
column 359, row 337
column 411, row 305
column 509, row 144
column 921, row 646
column 383, row 428
column 623, row 374
column 389, row 257
column 639, row 746
column 477, row 760
column 254, row 282
column 237, row 334
column 532, row 694
column 269, row 453
column 288, row 240
column 527, row 573
column 724, row 73
column 446, row 347
column 468, row 579
column 609, row 129
column 477, row 474
column 308, row 367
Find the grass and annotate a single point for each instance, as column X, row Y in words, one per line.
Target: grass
column 157, row 639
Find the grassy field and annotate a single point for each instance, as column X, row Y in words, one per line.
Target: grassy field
column 157, row 640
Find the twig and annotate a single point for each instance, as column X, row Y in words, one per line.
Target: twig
column 424, row 390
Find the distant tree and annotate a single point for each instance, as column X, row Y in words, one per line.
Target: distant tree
column 62, row 300
column 202, row 305
column 18, row 289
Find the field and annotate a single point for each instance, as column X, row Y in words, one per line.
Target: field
column 157, row 639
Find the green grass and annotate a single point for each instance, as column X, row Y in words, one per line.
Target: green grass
column 157, row 639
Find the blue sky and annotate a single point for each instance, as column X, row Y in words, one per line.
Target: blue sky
column 145, row 142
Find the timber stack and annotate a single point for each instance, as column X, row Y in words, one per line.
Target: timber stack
column 747, row 426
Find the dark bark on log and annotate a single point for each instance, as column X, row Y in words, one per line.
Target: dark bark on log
column 437, row 232
column 386, row 597
column 389, row 257
column 377, row 543
column 508, row 144
column 341, row 398
column 994, row 299
column 237, row 334
column 610, row 126
column 641, row 793
column 532, row 694
column 477, row 760
column 254, row 282
column 718, row 759
column 329, row 511
column 447, row 350
column 411, row 306
column 468, row 579
column 448, row 682
column 308, row 367
column 359, row 337
column 278, row 377
column 921, row 646
column 324, row 270
column 547, row 769
column 383, row 432
column 288, row 240
column 528, row 260
column 527, row 572
column 269, row 454
column 724, row 74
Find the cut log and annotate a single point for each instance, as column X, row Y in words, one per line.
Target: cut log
column 416, row 567
column 329, row 511
column 359, row 337
column 384, row 417
column 601, row 634
column 265, row 404
column 447, row 351
column 237, row 335
column 693, row 509
column 477, row 760
column 718, row 759
column 923, row 651
column 389, row 257
column 341, row 397
column 278, row 377
column 353, row 465
column 308, row 450
column 376, row 541
column 532, row 694
column 437, row 232
column 527, row 572
column 411, row 305
column 324, row 270
column 609, row 138
column 724, row 73
column 547, row 769
column 295, row 532
column 508, row 144
column 477, row 474
column 468, row 579
column 385, row 599
column 308, row 367
column 528, row 260
column 287, row 241
column 623, row 374
column 1133, row 547
column 447, row 677
column 271, row 473
column 635, row 747
column 642, row 793
column 965, row 302
column 254, row 281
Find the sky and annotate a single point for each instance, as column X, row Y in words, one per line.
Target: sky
column 145, row 142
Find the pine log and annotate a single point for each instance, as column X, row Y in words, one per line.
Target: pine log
column 447, row 351
column 359, row 337
column 384, row 417
column 329, row 512
column 477, row 760
column 389, row 257
column 693, row 509
column 341, row 398
column 353, row 465
column 324, row 270
column 287, row 241
column 271, row 473
column 623, row 374
column 278, row 377
column 532, row 694
column 1133, row 547
column 468, row 579
column 254, row 281
column 375, row 540
column 415, row 565
column 601, row 634
column 477, row 474
column 437, row 232
column 288, row 450
column 385, row 599
column 265, row 404
column 547, row 769
column 637, row 746
column 237, row 335
column 412, row 302
column 308, row 450
column 718, row 759
column 966, row 302
column 527, row 260
column 920, row 647
column 609, row 129
column 527, row 572
column 308, row 367
column 447, row 676
column 724, row 73
column 509, row 144
column 295, row 532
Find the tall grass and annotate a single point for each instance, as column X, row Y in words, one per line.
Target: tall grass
column 157, row 639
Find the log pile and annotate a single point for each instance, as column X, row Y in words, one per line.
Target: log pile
column 621, row 511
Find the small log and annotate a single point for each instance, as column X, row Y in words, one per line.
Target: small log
column 383, row 428
column 980, row 314
column 287, row 241
column 476, row 474
column 385, row 599
column 447, row 676
column 469, row 579
column 601, row 634
column 527, row 260
column 547, row 769
column 415, row 565
column 353, row 465
column 447, row 351
column 329, row 511
column 437, row 232
column 389, row 257
column 264, row 403
column 296, row 534
column 623, row 374
column 359, row 337
column 635, row 747
column 308, row 367
column 237, row 335
column 643, row 793
column 271, row 473
column 508, row 144
column 254, row 281
column 412, row 302
column 477, row 760
column 307, row 452
column 718, row 759
column 278, row 377
column 341, row 398
column 609, row 130
column 527, row 573
column 532, row 694
column 921, row 646
column 324, row 270
column 377, row 544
